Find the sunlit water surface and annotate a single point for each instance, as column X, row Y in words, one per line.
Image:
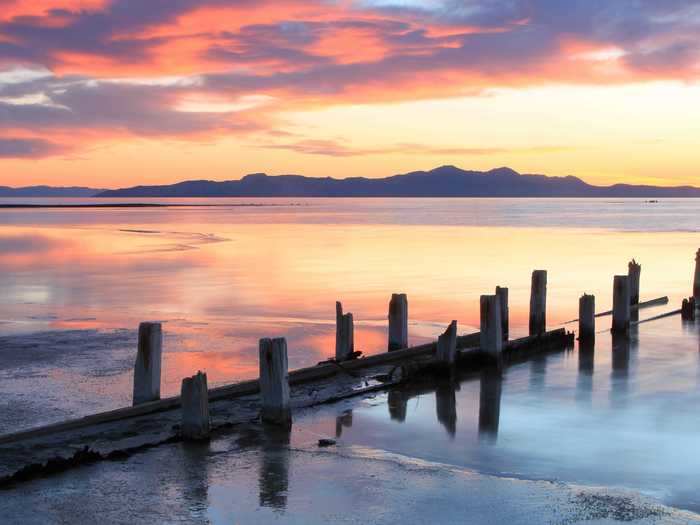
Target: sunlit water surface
column 75, row 283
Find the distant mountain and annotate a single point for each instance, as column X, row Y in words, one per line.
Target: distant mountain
column 48, row 191
column 446, row 181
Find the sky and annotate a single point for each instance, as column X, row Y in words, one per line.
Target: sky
column 113, row 93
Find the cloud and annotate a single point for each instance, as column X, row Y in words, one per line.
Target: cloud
column 102, row 68
column 334, row 148
column 29, row 148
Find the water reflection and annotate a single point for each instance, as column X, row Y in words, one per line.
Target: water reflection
column 446, row 405
column 398, row 403
column 195, row 465
column 586, row 365
column 274, row 468
column 490, row 404
column 623, row 348
column 538, row 372
column 344, row 420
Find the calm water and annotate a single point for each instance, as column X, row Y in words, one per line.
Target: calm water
column 80, row 280
column 76, row 282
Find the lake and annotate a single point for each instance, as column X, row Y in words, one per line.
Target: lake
column 75, row 284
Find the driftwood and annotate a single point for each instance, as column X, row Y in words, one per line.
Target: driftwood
column 659, row 301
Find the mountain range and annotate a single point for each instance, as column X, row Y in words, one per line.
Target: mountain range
column 49, row 191
column 445, row 181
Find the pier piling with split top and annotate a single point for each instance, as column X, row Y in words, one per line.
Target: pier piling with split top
column 194, row 398
column 344, row 334
column 634, row 273
column 447, row 345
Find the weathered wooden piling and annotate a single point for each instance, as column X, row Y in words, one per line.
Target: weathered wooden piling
column 194, row 398
column 491, row 338
column 621, row 305
column 398, row 322
column 586, row 318
column 634, row 272
column 696, row 282
column 502, row 294
column 447, row 345
column 538, row 303
column 344, row 334
column 148, row 363
column 688, row 309
column 274, row 382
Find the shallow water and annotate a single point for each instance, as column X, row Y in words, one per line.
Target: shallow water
column 220, row 278
column 76, row 283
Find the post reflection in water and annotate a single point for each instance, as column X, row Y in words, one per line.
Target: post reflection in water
column 194, row 466
column 622, row 346
column 398, row 402
column 274, row 468
column 343, row 420
column 538, row 372
column 586, row 363
column 490, row 404
column 446, row 405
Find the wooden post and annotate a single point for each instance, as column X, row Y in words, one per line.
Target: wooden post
column 502, row 294
column 447, row 345
column 621, row 305
column 696, row 282
column 274, row 382
column 633, row 272
column 538, row 303
column 688, row 309
column 194, row 397
column 398, row 322
column 344, row 334
column 586, row 318
column 148, row 362
column 491, row 337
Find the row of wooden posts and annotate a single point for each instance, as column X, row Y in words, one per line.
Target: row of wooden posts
column 274, row 383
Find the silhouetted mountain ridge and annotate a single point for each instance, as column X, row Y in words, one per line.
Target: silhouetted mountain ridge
column 49, row 191
column 445, row 181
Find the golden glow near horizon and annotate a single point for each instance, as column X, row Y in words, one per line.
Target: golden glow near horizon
column 344, row 89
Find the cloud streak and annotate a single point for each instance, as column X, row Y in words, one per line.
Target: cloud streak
column 122, row 68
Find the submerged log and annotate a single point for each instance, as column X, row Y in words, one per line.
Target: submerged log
column 344, row 334
column 586, row 315
column 398, row 322
column 538, row 302
column 634, row 272
column 502, row 294
column 148, row 363
column 621, row 305
column 274, row 382
column 194, row 398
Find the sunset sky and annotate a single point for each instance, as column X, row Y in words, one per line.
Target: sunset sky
column 111, row 93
